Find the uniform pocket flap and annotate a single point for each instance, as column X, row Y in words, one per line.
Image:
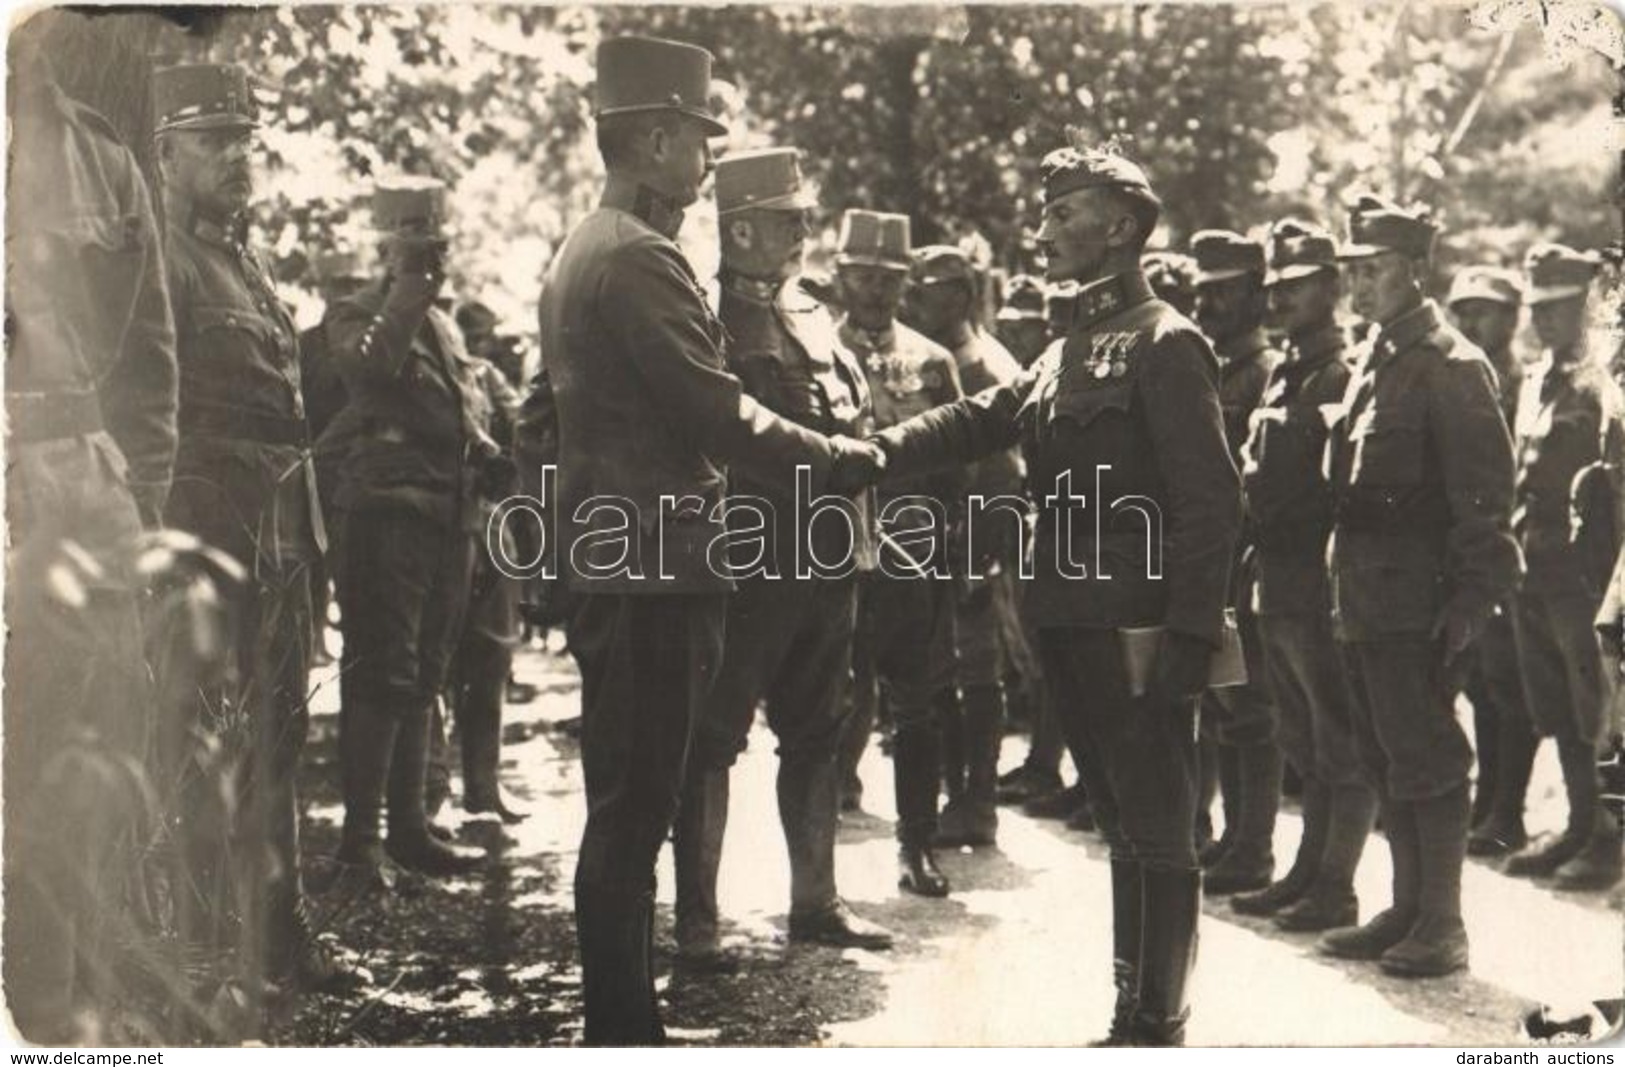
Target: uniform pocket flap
column 1084, row 406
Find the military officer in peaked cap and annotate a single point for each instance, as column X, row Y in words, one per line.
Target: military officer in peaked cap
column 1485, row 303
column 412, row 477
column 648, row 414
column 1570, row 441
column 1125, row 408
column 905, row 639
column 243, row 475
column 1021, row 324
column 1240, row 723
column 1421, row 553
column 1289, row 510
column 790, row 621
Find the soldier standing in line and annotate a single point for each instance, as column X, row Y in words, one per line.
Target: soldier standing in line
column 1421, row 553
column 1240, row 722
column 1172, row 276
column 647, row 410
column 413, row 476
column 1569, row 431
column 90, row 444
column 244, row 481
column 1128, row 403
column 905, row 608
column 941, row 302
column 1484, row 303
column 789, row 635
column 1289, row 508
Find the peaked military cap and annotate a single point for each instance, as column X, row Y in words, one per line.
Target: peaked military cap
column 1558, row 272
column 1221, row 255
column 403, row 203
column 653, row 74
column 874, row 239
column 1023, row 299
column 1377, row 226
column 1298, row 249
column 1495, row 284
column 769, row 179
column 203, row 96
column 937, row 264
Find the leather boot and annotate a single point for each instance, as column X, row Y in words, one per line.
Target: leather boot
column 1250, row 861
column 702, row 820
column 917, row 872
column 1503, row 832
column 808, row 795
column 614, row 932
column 1128, row 930
column 294, row 957
column 479, row 720
column 1172, row 903
column 1437, row 943
column 865, row 701
column 410, row 844
column 1330, row 901
column 298, row 959
column 1388, row 927
column 951, row 728
column 977, row 821
column 1598, row 864
column 1226, row 782
column 367, row 735
column 1580, row 783
column 916, row 763
column 1317, row 802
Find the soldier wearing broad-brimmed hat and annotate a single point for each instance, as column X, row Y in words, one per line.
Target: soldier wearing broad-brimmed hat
column 648, row 413
column 1129, row 396
column 1421, row 553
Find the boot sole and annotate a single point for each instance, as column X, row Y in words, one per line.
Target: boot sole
column 1404, row 968
column 935, row 892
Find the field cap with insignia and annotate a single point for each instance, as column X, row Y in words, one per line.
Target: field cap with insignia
column 1298, row 249
column 409, row 203
column 769, row 179
column 874, row 239
column 1494, row 284
column 1558, row 272
column 1023, row 299
column 652, row 74
column 1082, row 166
column 203, row 96
column 1221, row 255
column 939, row 264
column 1377, row 226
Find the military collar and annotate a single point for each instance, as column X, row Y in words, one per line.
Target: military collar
column 655, row 210
column 869, row 340
column 1320, row 345
column 1405, row 331
column 756, row 290
column 230, row 235
column 1244, row 348
column 1566, row 361
column 1100, row 300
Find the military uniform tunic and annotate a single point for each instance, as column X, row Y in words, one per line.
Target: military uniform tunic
column 1123, row 413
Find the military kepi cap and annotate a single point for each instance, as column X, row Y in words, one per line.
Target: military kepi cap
column 1298, row 249
column 1377, row 226
column 652, row 74
column 203, row 96
column 1023, row 299
column 1221, row 255
column 1494, row 284
column 409, row 203
column 874, row 239
column 769, row 179
column 1558, row 272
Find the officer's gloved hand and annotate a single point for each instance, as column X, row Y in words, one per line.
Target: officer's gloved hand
column 857, row 465
column 1181, row 671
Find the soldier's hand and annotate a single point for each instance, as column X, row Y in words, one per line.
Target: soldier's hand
column 857, row 465
column 1457, row 630
column 419, row 253
column 1181, row 671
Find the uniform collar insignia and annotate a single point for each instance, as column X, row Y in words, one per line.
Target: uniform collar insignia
column 1107, row 297
column 1405, row 331
column 1317, row 346
column 1244, row 348
column 759, row 290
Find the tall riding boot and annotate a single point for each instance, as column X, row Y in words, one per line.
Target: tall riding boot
column 1040, row 772
column 1487, row 750
column 807, row 810
column 410, row 844
column 1250, row 861
column 1219, row 775
column 1330, row 902
column 916, row 762
column 976, row 820
column 437, row 771
column 951, row 727
column 865, row 701
column 1437, row 941
column 1388, row 927
column 1172, row 905
column 613, row 930
column 479, row 721
column 1579, row 762
column 1317, row 811
column 702, row 820
column 367, row 735
column 1503, row 831
column 1128, row 933
column 293, row 954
